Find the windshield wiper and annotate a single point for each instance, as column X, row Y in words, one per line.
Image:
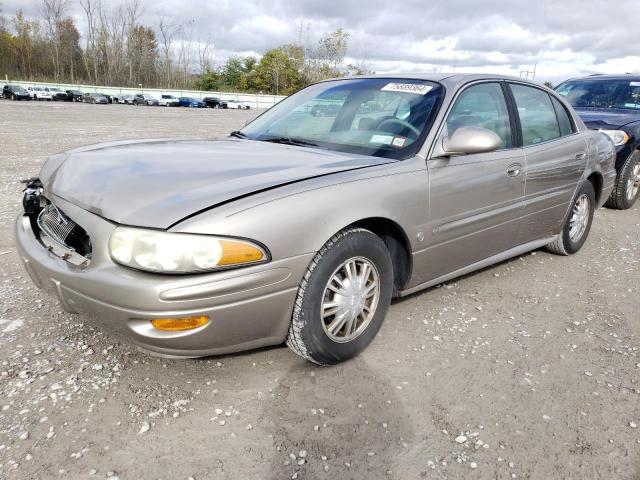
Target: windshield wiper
column 291, row 141
column 238, row 134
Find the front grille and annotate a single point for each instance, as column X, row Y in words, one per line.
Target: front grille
column 54, row 223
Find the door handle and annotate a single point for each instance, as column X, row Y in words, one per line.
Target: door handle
column 514, row 170
column 580, row 156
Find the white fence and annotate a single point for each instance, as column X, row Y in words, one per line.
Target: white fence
column 254, row 100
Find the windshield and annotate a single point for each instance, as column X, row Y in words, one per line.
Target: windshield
column 381, row 117
column 601, row 93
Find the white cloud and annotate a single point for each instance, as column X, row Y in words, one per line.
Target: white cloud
column 561, row 39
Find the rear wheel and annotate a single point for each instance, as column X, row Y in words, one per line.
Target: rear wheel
column 578, row 223
column 343, row 298
column 627, row 188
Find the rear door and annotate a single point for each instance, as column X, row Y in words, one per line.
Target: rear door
column 475, row 201
column 555, row 158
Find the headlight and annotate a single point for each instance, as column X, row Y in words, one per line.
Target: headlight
column 164, row 252
column 617, row 136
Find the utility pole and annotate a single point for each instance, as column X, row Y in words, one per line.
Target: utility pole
column 525, row 73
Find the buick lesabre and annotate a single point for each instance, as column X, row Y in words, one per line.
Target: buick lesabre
column 301, row 227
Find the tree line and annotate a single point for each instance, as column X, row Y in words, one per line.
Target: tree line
column 117, row 49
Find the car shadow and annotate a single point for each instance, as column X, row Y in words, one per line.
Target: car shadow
column 322, row 423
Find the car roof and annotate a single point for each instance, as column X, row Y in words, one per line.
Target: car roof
column 450, row 80
column 628, row 76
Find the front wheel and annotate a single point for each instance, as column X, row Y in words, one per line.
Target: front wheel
column 627, row 187
column 343, row 298
column 578, row 223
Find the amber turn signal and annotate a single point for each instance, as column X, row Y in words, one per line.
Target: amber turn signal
column 179, row 324
column 238, row 253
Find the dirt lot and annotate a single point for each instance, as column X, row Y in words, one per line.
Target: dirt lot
column 529, row 369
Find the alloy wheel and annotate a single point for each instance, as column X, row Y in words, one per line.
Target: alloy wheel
column 633, row 184
column 350, row 299
column 579, row 218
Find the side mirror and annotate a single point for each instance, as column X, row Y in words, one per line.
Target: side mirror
column 469, row 140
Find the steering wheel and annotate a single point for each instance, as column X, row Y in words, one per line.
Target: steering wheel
column 398, row 121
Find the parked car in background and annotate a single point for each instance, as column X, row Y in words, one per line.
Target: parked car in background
column 108, row 96
column 611, row 104
column 126, row 99
column 15, row 92
column 39, row 93
column 74, row 95
column 235, row 104
column 452, row 174
column 330, row 109
column 168, row 101
column 145, row 99
column 95, row 98
column 191, row 102
column 57, row 95
column 212, row 102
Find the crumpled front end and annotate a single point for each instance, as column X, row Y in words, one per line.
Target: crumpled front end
column 244, row 308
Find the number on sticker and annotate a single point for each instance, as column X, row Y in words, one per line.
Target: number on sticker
column 407, row 88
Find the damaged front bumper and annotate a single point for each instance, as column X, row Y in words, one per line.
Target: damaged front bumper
column 248, row 308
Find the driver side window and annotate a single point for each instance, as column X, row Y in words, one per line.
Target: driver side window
column 483, row 106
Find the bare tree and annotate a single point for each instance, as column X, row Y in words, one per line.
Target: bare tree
column 90, row 51
column 133, row 12
column 186, row 50
column 168, row 32
column 206, row 54
column 53, row 11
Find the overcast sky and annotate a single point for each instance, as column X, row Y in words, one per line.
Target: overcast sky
column 563, row 37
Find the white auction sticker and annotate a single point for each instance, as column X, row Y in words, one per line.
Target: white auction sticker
column 382, row 139
column 399, row 142
column 407, row 88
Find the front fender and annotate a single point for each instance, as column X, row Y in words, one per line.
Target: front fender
column 601, row 161
column 298, row 219
column 633, row 130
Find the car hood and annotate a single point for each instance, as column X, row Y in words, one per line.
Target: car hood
column 157, row 183
column 607, row 118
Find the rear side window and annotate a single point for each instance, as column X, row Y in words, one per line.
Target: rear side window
column 537, row 115
column 566, row 128
column 482, row 105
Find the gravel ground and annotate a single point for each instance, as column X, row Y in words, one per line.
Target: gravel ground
column 528, row 369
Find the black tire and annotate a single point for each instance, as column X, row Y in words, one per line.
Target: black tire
column 564, row 244
column 307, row 336
column 620, row 198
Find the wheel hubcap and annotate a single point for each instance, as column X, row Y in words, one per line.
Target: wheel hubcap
column 350, row 299
column 579, row 218
column 633, row 184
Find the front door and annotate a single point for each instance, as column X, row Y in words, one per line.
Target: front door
column 475, row 201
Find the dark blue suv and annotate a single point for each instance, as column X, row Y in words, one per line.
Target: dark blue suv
column 611, row 104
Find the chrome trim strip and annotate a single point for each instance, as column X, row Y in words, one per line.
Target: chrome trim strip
column 52, row 241
column 62, row 251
